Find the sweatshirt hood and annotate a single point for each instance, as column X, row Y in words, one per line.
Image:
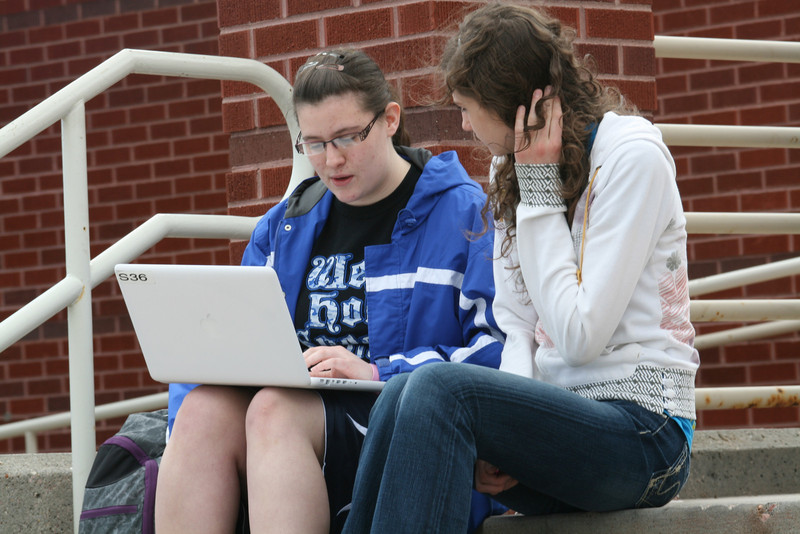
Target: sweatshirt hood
column 616, row 130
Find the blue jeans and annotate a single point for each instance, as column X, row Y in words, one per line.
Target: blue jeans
column 568, row 453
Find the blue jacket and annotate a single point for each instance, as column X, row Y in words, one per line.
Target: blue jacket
column 429, row 292
column 431, row 272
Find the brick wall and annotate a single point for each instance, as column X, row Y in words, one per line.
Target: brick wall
column 174, row 145
column 155, row 145
column 405, row 38
column 737, row 180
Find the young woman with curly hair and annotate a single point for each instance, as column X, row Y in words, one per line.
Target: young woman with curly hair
column 593, row 406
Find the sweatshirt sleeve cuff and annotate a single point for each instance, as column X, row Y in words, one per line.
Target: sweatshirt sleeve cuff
column 538, row 185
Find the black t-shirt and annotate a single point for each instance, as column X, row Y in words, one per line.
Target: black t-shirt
column 332, row 305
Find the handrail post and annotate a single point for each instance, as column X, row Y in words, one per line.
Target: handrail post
column 79, row 313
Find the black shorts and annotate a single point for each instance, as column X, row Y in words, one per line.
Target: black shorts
column 346, row 417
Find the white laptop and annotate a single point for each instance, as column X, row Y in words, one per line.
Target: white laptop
column 218, row 325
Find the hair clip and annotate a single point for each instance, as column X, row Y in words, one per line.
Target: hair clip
column 324, row 66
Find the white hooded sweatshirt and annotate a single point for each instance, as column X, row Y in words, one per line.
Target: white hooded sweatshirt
column 623, row 331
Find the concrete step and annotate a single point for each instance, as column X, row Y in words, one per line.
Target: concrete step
column 774, row 514
column 35, row 493
column 744, row 462
column 727, row 466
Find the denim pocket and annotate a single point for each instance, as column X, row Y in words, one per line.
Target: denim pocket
column 664, row 485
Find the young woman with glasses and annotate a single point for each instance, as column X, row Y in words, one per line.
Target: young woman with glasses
column 597, row 408
column 381, row 278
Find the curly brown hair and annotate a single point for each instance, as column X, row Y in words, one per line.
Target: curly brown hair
column 498, row 57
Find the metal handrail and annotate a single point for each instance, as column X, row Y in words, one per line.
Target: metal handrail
column 130, row 247
column 74, row 291
column 668, row 46
column 60, row 420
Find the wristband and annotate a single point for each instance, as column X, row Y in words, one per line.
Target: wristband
column 538, row 185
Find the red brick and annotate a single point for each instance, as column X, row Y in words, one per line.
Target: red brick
column 64, row 50
column 206, row 125
column 715, row 117
column 211, row 162
column 710, row 419
column 300, row 7
column 40, row 239
column 26, row 55
column 641, row 93
column 569, row 16
column 784, row 178
column 172, row 167
column 776, row 417
column 618, row 24
column 417, row 17
column 763, row 116
column 712, row 163
column 235, row 44
column 758, row 30
column 183, row 147
column 151, row 151
column 684, row 104
column 747, row 353
column 711, row 79
column 732, row 13
column 770, row 289
column 274, row 181
column 268, row 113
column 27, row 406
column 201, row 11
column 719, row 249
column 766, row 244
column 739, row 181
column 760, row 73
column 238, row 116
column 47, row 34
column 787, row 350
column 733, row 97
column 728, row 375
column 83, row 28
column 235, row 12
column 172, row 205
column 366, row 25
column 768, row 201
column 168, row 130
column 160, row 17
column 17, row 371
column 765, row 157
column 605, row 57
column 102, row 45
column 695, row 187
column 285, row 38
column 780, row 91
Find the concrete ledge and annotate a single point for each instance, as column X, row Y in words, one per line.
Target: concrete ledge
column 744, row 462
column 36, row 493
column 778, row 514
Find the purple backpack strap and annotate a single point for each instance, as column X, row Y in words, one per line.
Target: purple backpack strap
column 150, row 477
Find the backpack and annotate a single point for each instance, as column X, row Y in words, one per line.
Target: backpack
column 120, row 492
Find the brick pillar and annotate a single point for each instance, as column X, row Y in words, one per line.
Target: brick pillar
column 406, row 39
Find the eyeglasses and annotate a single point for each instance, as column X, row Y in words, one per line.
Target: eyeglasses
column 314, row 148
